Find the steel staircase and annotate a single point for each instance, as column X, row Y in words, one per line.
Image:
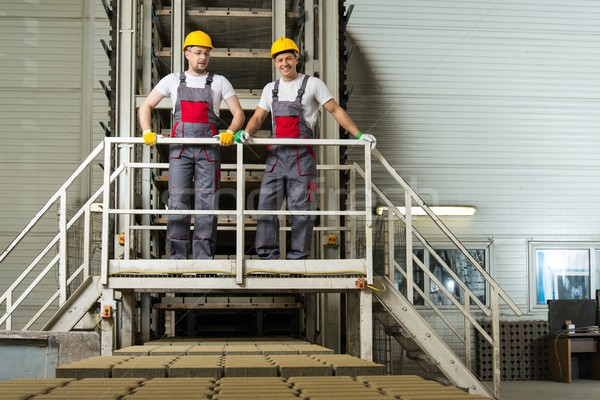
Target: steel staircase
column 394, row 309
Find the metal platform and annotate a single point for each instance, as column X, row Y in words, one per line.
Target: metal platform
column 268, row 276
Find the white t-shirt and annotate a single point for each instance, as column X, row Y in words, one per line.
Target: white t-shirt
column 315, row 95
column 221, row 87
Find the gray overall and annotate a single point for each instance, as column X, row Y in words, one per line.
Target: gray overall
column 194, row 173
column 290, row 173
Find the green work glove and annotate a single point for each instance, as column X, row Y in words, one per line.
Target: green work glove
column 365, row 137
column 226, row 138
column 241, row 136
column 149, row 137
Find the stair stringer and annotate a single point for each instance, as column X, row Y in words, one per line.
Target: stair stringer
column 76, row 306
column 428, row 340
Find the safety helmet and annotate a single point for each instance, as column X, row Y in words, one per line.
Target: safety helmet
column 197, row 38
column 283, row 44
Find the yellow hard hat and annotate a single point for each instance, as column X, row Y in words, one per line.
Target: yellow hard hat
column 283, row 44
column 197, row 38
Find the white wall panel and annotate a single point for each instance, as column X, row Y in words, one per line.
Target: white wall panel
column 491, row 104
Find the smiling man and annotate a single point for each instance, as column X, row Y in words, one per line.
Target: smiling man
column 294, row 102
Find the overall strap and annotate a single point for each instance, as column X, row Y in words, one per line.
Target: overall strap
column 182, row 78
column 209, row 79
column 302, row 89
column 276, row 90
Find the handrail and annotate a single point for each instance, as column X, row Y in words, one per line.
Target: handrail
column 124, row 212
column 420, row 202
column 53, row 199
column 84, row 209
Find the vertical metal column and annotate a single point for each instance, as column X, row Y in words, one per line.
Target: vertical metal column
column 366, row 325
column 146, row 236
column 327, row 38
column 240, row 217
column 146, row 47
column 87, row 96
column 353, row 323
column 177, row 35
column 127, row 313
column 107, row 335
column 409, row 247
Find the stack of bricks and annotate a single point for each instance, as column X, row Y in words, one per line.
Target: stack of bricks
column 263, row 388
column 522, row 351
column 170, row 388
column 412, row 387
column 371, row 387
column 335, row 388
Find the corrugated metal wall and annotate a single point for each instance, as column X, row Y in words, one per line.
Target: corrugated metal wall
column 50, row 107
column 487, row 103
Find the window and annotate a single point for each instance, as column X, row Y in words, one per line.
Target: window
column 562, row 271
column 457, row 263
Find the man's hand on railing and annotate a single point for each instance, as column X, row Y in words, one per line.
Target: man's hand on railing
column 241, row 137
column 225, row 138
column 365, row 137
column 149, row 137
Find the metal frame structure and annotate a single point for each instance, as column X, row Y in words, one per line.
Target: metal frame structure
column 121, row 276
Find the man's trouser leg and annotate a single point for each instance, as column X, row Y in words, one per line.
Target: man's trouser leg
column 267, row 228
column 301, row 195
column 180, row 198
column 205, row 228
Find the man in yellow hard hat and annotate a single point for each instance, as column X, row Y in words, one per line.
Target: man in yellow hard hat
column 291, row 171
column 196, row 96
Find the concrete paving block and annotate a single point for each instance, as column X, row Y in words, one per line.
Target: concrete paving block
column 237, row 371
column 310, row 349
column 144, row 367
column 171, row 350
column 241, row 349
column 171, row 300
column 80, row 372
column 350, row 370
column 217, row 299
column 268, row 349
column 200, row 350
column 195, row 300
column 195, row 372
column 138, row 350
column 179, row 381
column 357, row 397
column 261, row 299
column 319, row 379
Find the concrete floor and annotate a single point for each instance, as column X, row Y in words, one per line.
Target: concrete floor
column 580, row 389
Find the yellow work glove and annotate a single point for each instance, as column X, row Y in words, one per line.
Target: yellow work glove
column 226, row 138
column 149, row 137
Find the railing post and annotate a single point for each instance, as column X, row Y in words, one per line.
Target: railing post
column 368, row 216
column 87, row 227
column 352, row 219
column 105, row 215
column 240, row 198
column 8, row 321
column 409, row 248
column 467, row 325
column 495, row 304
column 62, row 249
column 124, row 199
column 390, row 270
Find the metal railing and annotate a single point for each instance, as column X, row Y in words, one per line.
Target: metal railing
column 119, row 182
column 125, row 211
column 472, row 306
column 29, row 279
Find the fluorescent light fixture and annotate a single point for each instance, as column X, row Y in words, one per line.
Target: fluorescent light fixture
column 437, row 210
